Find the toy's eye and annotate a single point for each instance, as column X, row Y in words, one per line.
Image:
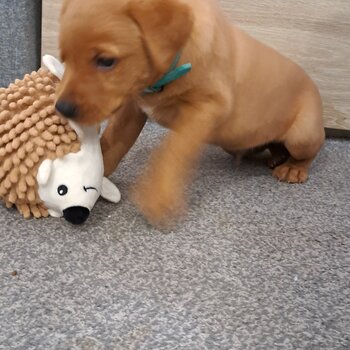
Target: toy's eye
column 62, row 190
column 89, row 188
column 105, row 63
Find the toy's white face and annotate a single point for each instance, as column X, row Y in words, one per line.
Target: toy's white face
column 72, row 188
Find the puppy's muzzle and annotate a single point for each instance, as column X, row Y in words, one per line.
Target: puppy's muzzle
column 76, row 215
column 67, row 109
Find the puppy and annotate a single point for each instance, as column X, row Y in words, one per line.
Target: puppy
column 239, row 94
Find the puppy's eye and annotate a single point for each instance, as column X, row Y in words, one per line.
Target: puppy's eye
column 62, row 190
column 106, row 63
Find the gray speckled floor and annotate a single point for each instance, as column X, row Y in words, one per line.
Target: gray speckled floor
column 256, row 264
column 20, row 38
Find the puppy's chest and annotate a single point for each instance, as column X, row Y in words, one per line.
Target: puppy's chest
column 163, row 115
column 149, row 110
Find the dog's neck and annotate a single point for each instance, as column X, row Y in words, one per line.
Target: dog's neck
column 173, row 74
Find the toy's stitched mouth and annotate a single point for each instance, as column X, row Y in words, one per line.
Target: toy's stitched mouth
column 89, row 188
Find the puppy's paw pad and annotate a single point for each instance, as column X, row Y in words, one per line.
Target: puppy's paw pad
column 290, row 173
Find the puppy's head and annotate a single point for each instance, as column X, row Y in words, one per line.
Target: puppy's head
column 113, row 49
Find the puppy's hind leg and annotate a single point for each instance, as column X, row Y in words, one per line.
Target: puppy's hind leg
column 303, row 140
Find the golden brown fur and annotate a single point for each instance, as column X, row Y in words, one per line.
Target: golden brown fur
column 240, row 94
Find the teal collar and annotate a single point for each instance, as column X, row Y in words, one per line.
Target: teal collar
column 173, row 74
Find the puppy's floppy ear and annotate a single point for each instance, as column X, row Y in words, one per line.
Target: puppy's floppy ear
column 165, row 25
column 64, row 7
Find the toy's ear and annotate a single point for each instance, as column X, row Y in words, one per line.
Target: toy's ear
column 110, row 191
column 77, row 128
column 44, row 172
column 54, row 66
column 86, row 133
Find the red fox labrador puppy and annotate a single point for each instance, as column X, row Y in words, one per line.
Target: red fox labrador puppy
column 183, row 64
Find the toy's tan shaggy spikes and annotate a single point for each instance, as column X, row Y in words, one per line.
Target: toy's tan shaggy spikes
column 30, row 132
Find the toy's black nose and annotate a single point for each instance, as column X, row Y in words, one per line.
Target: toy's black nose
column 67, row 109
column 76, row 215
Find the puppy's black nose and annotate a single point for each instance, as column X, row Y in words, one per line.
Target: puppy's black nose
column 67, row 109
column 76, row 215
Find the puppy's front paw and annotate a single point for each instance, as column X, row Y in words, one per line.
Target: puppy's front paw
column 160, row 207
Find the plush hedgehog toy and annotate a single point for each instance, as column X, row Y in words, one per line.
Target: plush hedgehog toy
column 48, row 166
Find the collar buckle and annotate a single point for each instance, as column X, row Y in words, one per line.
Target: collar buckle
column 173, row 74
